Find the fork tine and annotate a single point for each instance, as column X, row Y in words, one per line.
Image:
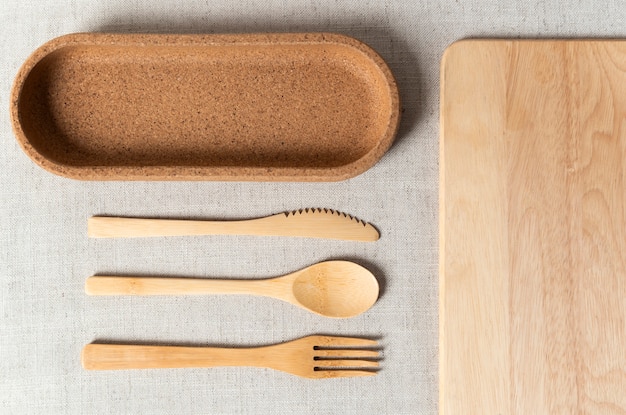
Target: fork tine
column 346, row 363
column 347, row 353
column 336, row 341
column 344, row 373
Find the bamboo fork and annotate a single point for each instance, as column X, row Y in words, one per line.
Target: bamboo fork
column 311, row 223
column 314, row 357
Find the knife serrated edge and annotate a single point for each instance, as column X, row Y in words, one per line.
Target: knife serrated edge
column 329, row 223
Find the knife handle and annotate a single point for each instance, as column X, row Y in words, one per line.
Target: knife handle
column 116, row 227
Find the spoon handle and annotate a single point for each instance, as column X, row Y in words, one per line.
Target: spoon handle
column 114, row 285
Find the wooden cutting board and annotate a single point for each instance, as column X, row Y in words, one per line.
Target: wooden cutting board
column 533, row 228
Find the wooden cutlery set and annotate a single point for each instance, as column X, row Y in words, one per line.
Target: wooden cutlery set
column 336, row 289
column 250, row 107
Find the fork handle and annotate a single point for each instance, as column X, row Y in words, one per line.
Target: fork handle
column 122, row 356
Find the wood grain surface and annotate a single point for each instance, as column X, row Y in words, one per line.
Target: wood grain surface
column 532, row 228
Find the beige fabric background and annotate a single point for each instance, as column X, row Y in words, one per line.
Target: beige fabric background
column 45, row 256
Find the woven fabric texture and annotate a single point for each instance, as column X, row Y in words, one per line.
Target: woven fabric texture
column 45, row 256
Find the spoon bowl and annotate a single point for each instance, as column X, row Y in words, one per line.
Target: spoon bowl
column 335, row 289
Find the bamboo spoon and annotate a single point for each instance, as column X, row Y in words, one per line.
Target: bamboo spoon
column 311, row 223
column 332, row 289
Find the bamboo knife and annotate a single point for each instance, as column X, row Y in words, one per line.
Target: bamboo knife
column 308, row 223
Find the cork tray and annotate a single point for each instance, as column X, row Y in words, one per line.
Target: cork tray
column 267, row 107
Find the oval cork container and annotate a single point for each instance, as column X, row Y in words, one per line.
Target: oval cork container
column 249, row 107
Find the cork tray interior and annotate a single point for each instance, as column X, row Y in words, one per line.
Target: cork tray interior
column 293, row 107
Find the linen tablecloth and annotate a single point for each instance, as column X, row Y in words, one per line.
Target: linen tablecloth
column 45, row 255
